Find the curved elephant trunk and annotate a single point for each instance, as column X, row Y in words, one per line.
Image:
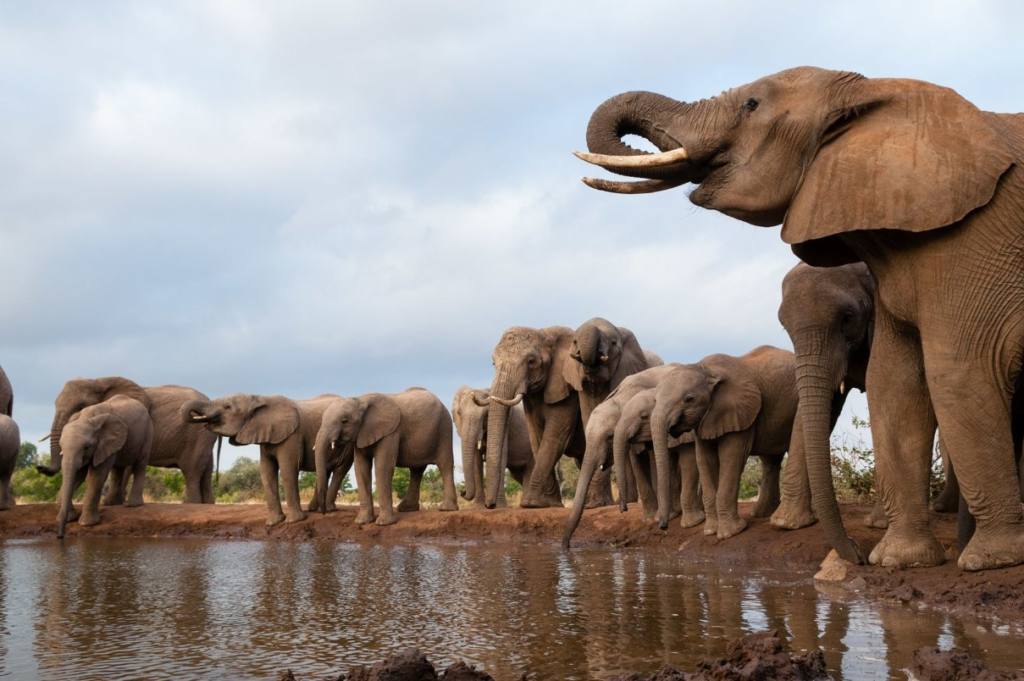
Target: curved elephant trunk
column 620, row 452
column 659, row 435
column 503, row 391
column 588, row 341
column 59, row 421
column 196, row 411
column 597, row 452
column 472, row 466
column 816, row 386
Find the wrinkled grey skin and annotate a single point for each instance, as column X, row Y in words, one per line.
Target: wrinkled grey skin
column 470, row 407
column 114, row 434
column 284, row 429
column 175, row 445
column 410, row 429
column 10, row 441
column 6, row 395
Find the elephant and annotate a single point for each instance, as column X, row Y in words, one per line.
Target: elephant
column 529, row 367
column 6, row 395
column 174, row 444
column 285, row 430
column 924, row 188
column 117, row 433
column 411, row 429
column 10, row 443
column 735, row 406
column 469, row 410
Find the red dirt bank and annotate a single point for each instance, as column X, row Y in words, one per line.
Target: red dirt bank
column 997, row 594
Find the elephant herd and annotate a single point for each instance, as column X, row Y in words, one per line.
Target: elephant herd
column 905, row 203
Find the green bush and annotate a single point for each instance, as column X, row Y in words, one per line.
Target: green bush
column 241, row 482
column 32, row 486
column 853, row 465
column 164, row 484
column 28, row 455
column 568, row 473
column 751, row 478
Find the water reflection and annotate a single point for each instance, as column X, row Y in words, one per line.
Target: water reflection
column 93, row 607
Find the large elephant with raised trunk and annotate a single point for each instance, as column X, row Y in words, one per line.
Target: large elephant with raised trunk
column 927, row 190
column 175, row 445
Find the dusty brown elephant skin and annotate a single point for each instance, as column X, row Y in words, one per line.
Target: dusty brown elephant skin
column 114, row 434
column 470, row 407
column 175, row 445
column 529, row 367
column 928, row 191
column 603, row 355
column 6, row 395
column 410, row 429
column 284, row 429
column 10, row 441
column 736, row 406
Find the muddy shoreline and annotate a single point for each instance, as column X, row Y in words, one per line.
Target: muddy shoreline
column 995, row 595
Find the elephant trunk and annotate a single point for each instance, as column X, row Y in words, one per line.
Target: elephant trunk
column 59, row 421
column 620, row 450
column 504, row 389
column 196, row 411
column 67, row 491
column 596, row 453
column 471, row 465
column 659, row 436
column 816, row 386
column 323, row 453
column 588, row 340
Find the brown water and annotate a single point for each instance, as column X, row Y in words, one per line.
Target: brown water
column 98, row 608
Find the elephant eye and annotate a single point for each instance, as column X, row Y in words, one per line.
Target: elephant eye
column 750, row 104
column 688, row 399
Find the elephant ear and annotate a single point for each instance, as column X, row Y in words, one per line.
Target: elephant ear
column 559, row 341
column 271, row 420
column 572, row 372
column 117, row 385
column 735, row 397
column 898, row 155
column 632, row 359
column 113, row 433
column 381, row 417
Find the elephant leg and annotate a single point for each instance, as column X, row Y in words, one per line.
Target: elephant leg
column 80, row 475
column 902, row 430
column 795, row 510
column 689, row 488
column 876, row 517
column 557, row 432
column 675, row 485
column 600, row 491
column 138, row 484
column 411, row 498
column 645, row 484
column 385, row 456
column 268, row 474
column 707, row 464
column 6, row 498
column 974, row 419
column 290, row 483
column 194, row 488
column 444, row 459
column 94, row 480
column 768, row 487
column 363, row 463
column 631, row 491
column 733, row 450
column 114, row 495
column 948, row 500
column 337, row 478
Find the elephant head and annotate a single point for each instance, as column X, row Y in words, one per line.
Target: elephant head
column 526, row 362
column 603, row 355
column 715, row 397
column 351, row 422
column 469, row 410
column 88, row 439
column 829, row 153
column 245, row 419
column 78, row 394
column 829, row 315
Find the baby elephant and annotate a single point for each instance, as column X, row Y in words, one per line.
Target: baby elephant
column 285, row 430
column 10, row 441
column 470, row 408
column 411, row 429
column 114, row 434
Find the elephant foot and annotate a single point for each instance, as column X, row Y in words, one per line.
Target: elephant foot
column 386, row 519
column 650, row 513
column 331, row 507
column 793, row 517
column 711, row 526
column 73, row 514
column 598, row 502
column 364, row 517
column 4, row 506
column 275, row 519
column 993, row 548
column 877, row 518
column 295, row 517
column 408, row 506
column 134, row 504
column 530, row 502
column 89, row 519
column 907, row 548
column 730, row 527
column 691, row 518
column 764, row 508
column 448, row 506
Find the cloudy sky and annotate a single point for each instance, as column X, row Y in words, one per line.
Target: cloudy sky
column 305, row 197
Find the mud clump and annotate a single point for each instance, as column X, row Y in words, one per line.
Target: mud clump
column 758, row 657
column 409, row 665
column 932, row 664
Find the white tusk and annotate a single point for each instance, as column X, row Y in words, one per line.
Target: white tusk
column 479, row 444
column 332, row 445
column 637, row 162
column 842, row 387
column 604, row 359
column 508, row 403
column 642, row 187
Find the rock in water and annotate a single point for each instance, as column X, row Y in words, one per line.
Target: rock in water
column 409, row 665
column 833, row 568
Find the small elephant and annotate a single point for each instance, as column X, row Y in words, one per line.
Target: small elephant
column 469, row 409
column 10, row 442
column 411, row 429
column 114, row 434
column 285, row 430
column 736, row 406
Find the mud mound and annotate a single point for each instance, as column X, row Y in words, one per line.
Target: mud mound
column 932, row 664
